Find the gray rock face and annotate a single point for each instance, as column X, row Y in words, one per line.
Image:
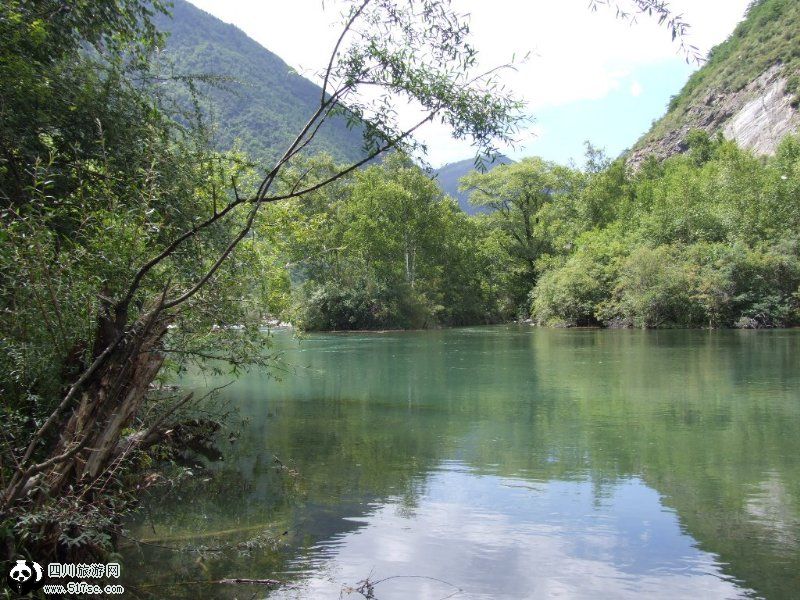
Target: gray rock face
column 763, row 121
column 757, row 117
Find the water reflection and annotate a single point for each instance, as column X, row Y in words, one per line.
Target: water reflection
column 509, row 538
column 509, row 462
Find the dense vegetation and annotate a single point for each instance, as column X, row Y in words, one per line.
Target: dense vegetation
column 383, row 249
column 706, row 239
column 709, row 238
column 95, row 173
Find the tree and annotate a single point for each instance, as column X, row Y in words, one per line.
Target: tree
column 385, row 249
column 194, row 229
column 517, row 193
column 143, row 234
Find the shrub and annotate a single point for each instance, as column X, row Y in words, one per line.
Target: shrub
column 767, row 281
column 368, row 305
column 653, row 290
column 569, row 295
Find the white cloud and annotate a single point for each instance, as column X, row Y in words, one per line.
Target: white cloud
column 576, row 54
column 636, row 89
column 512, row 538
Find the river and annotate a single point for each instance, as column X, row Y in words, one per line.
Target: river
column 495, row 462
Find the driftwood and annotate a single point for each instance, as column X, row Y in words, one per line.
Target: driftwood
column 228, row 581
column 249, row 581
column 206, row 534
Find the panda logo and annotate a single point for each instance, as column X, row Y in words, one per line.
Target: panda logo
column 20, row 572
column 25, row 576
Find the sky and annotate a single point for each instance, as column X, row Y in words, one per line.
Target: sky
column 590, row 76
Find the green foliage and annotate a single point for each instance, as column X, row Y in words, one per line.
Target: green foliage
column 96, row 175
column 652, row 291
column 572, row 289
column 382, row 249
column 449, row 176
column 704, row 239
column 747, row 287
column 522, row 197
column 568, row 295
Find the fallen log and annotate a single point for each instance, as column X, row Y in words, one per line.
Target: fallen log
column 249, row 581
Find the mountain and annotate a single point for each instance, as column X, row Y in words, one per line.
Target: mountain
column 263, row 103
column 260, row 102
column 448, row 176
column 748, row 90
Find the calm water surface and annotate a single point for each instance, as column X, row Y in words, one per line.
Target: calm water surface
column 497, row 462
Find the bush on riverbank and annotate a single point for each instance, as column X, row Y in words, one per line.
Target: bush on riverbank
column 707, row 239
column 697, row 285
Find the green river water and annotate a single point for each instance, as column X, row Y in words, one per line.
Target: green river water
column 496, row 462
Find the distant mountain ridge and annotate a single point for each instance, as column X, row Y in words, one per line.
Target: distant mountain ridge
column 449, row 175
column 263, row 103
column 749, row 90
column 266, row 103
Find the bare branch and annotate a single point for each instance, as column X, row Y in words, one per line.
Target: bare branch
column 218, row 263
column 660, row 10
column 346, row 28
column 356, row 165
column 171, row 248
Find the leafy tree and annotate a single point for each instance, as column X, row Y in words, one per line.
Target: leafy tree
column 518, row 195
column 387, row 250
column 127, row 239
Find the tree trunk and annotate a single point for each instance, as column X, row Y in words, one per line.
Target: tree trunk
column 108, row 403
column 82, row 460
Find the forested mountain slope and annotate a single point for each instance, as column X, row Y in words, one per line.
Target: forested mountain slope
column 264, row 103
column 749, row 90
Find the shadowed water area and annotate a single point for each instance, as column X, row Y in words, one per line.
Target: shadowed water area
column 497, row 462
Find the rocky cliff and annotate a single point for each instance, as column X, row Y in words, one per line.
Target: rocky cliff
column 749, row 89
